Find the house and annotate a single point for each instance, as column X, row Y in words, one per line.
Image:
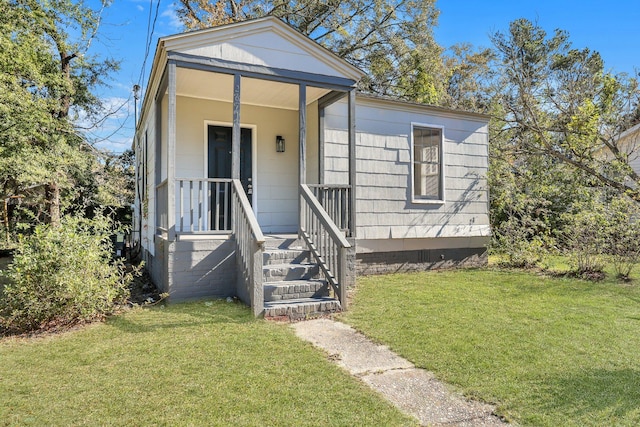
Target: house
column 629, row 144
column 263, row 174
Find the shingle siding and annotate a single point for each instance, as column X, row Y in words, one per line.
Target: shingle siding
column 384, row 205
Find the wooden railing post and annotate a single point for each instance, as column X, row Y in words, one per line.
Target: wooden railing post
column 342, row 275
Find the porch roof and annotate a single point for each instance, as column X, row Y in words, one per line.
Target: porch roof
column 264, row 48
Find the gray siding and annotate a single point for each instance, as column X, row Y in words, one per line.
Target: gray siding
column 201, row 269
column 384, row 207
column 148, row 212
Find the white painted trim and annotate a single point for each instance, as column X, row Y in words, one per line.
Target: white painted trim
column 364, row 246
column 442, row 165
column 254, row 155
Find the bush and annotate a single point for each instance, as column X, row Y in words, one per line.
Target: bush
column 518, row 244
column 63, row 275
column 604, row 230
column 623, row 235
column 585, row 238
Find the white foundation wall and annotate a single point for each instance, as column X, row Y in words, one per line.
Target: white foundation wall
column 383, row 151
column 275, row 175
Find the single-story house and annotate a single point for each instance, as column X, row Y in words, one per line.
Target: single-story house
column 263, row 174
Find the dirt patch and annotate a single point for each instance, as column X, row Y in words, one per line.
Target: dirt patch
column 143, row 291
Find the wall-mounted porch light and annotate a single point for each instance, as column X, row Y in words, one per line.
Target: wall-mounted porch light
column 279, row 144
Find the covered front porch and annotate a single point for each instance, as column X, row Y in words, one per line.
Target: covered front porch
column 239, row 153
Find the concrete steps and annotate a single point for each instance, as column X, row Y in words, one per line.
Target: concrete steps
column 293, row 288
column 300, row 309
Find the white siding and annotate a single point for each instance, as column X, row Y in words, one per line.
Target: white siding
column 384, row 207
column 148, row 214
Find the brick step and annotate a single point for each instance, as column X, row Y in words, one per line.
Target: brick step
column 303, row 308
column 286, row 256
column 295, row 289
column 282, row 272
column 288, row 242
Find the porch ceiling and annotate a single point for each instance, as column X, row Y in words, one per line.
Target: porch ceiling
column 219, row 87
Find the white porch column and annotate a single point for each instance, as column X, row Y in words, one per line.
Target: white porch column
column 171, row 151
column 302, row 142
column 352, row 161
column 302, row 132
column 235, row 132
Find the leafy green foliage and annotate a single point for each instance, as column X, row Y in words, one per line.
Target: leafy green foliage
column 63, row 275
column 557, row 157
column 516, row 240
column 559, row 102
column 47, row 78
column 585, row 238
column 622, row 239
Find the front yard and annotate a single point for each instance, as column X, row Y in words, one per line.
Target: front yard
column 187, row 364
column 548, row 351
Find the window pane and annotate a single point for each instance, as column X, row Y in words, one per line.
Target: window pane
column 426, row 168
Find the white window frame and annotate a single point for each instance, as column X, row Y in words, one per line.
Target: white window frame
column 421, row 200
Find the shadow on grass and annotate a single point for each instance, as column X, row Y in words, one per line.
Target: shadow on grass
column 182, row 315
column 595, row 393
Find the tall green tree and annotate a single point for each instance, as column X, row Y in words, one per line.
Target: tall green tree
column 47, row 79
column 560, row 102
column 392, row 41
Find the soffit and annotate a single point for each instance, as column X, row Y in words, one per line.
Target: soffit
column 219, row 87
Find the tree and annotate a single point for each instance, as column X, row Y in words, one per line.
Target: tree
column 559, row 102
column 470, row 78
column 391, row 41
column 47, row 79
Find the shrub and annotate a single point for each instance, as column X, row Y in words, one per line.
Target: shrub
column 585, row 238
column 518, row 244
column 623, row 235
column 63, row 275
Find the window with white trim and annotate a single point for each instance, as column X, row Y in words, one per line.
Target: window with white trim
column 427, row 163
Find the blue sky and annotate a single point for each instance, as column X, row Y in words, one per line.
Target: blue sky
column 611, row 28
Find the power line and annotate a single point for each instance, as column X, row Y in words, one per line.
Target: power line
column 150, row 31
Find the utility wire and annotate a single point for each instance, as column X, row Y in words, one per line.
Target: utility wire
column 151, row 26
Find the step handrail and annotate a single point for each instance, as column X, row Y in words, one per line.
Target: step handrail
column 325, row 241
column 249, row 242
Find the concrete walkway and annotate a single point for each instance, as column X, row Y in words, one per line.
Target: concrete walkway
column 415, row 391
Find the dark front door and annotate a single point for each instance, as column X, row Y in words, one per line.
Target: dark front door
column 219, row 166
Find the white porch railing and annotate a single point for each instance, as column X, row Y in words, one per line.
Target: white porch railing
column 335, row 201
column 325, row 241
column 203, row 205
column 249, row 248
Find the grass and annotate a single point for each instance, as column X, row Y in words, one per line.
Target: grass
column 548, row 351
column 187, row 364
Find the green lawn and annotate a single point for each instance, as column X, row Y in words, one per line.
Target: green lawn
column 186, row 364
column 548, row 351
